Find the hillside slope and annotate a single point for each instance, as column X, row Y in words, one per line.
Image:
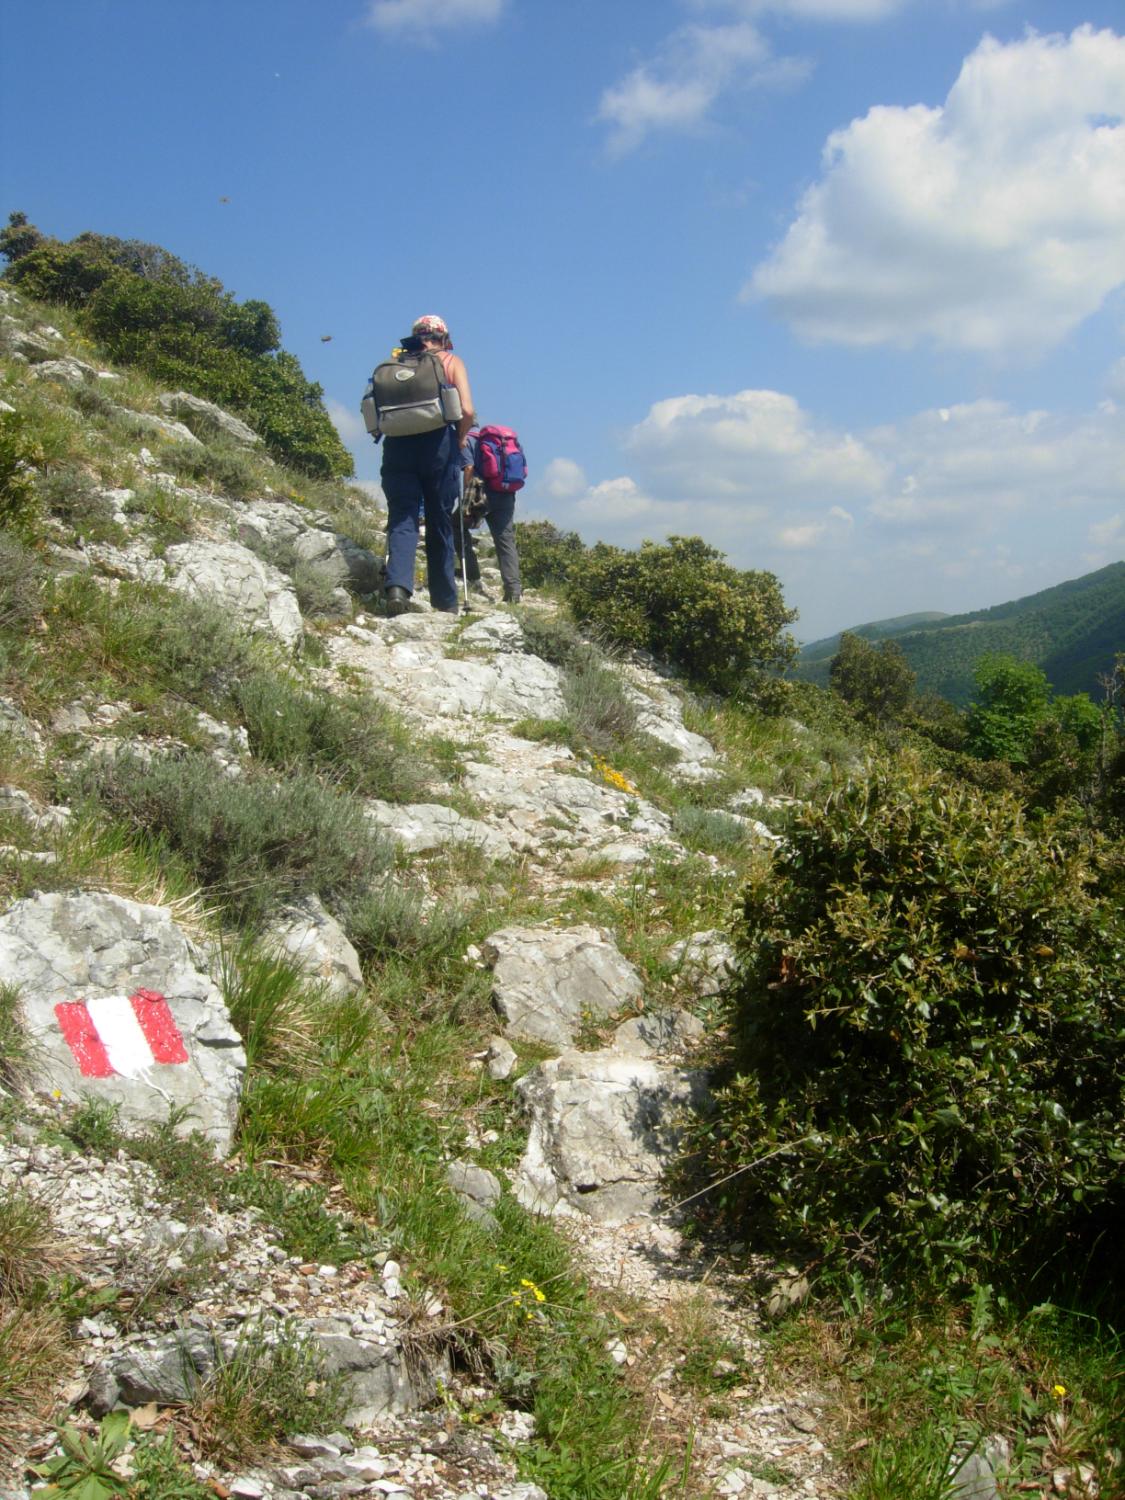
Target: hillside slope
column 1071, row 631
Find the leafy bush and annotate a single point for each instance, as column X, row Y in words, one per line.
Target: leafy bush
column 684, row 603
column 148, row 308
column 19, row 507
column 72, row 496
column 929, row 1029
column 546, row 553
column 877, row 680
column 255, row 842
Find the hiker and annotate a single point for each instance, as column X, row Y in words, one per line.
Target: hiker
column 422, row 470
column 490, row 484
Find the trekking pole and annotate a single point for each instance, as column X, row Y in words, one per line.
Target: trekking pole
column 464, row 553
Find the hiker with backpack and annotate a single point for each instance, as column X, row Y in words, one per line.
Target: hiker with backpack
column 420, row 404
column 495, row 469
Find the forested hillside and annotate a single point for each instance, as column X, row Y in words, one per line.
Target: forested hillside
column 1070, row 631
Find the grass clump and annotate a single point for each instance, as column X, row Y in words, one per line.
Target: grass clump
column 273, row 1383
column 223, row 467
column 254, row 843
column 358, row 743
column 21, row 583
column 15, row 1046
column 916, row 1386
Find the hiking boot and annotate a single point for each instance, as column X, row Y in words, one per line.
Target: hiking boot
column 397, row 602
column 511, row 596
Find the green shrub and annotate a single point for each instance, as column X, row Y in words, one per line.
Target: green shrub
column 72, row 496
column 254, row 842
column 681, row 601
column 546, row 553
column 876, row 680
column 19, row 455
column 148, row 308
column 928, row 1033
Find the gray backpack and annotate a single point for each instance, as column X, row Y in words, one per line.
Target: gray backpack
column 409, row 395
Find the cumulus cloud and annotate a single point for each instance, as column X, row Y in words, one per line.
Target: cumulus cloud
column 953, row 508
column 563, row 479
column 348, row 423
column 676, row 90
column 994, row 222
column 751, row 443
column 424, row 18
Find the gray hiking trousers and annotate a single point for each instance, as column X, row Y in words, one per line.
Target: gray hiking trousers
column 500, row 518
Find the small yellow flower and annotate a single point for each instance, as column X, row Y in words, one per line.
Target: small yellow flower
column 500, row 1268
column 1058, row 1390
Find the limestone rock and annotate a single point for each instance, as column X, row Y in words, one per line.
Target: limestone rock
column 100, row 949
column 167, row 1371
column 343, row 563
column 257, row 594
column 314, row 939
column 501, row 1058
column 477, row 1188
column 205, row 416
column 147, row 421
column 659, row 1032
column 68, row 371
column 603, row 1126
column 705, row 960
column 547, row 979
column 17, row 726
column 419, row 826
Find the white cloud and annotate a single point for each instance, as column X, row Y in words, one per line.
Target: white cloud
column 563, row 479
column 749, row 444
column 615, row 500
column 676, row 90
column 824, row 10
column 348, row 423
column 955, row 508
column 1110, row 533
column 994, row 222
column 423, row 18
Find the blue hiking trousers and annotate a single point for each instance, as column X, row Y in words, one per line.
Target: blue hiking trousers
column 422, row 472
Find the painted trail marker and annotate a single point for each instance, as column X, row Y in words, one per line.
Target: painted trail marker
column 121, row 1035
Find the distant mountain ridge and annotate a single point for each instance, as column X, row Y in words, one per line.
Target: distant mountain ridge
column 1071, row 631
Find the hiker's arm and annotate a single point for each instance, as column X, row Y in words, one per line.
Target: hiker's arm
column 459, row 375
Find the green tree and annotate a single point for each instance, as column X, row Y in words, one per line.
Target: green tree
column 683, row 602
column 877, row 681
column 1011, row 700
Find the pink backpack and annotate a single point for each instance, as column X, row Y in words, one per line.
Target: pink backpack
column 501, row 463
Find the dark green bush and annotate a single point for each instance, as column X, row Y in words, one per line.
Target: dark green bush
column 928, row 1030
column 681, row 601
column 19, row 506
column 253, row 843
column 546, row 553
column 148, row 308
column 876, row 680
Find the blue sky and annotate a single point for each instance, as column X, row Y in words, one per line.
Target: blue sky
column 837, row 284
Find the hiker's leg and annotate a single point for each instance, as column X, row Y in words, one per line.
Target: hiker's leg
column 501, row 518
column 441, row 488
column 404, row 495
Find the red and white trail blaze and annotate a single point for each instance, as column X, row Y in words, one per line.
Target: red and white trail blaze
column 120, row 1034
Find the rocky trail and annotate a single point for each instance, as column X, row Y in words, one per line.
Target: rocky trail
column 122, row 1003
